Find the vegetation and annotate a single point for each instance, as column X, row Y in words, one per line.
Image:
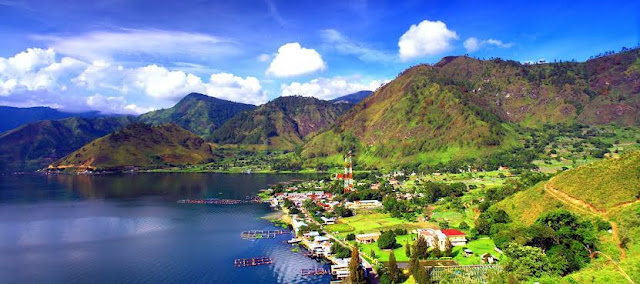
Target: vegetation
column 141, row 145
column 198, row 113
column 36, row 145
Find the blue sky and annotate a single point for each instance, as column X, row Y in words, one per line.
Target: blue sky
column 131, row 56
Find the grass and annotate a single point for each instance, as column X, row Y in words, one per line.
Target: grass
column 479, row 247
column 383, row 255
column 603, row 184
column 526, row 206
column 370, row 221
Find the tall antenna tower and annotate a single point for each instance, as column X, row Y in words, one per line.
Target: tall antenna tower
column 348, row 172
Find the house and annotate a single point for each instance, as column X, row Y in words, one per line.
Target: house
column 363, row 204
column 311, row 235
column 297, row 224
column 341, row 269
column 367, row 238
column 488, row 258
column 438, row 238
column 456, row 237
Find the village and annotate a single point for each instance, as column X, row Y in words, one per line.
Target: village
column 373, row 215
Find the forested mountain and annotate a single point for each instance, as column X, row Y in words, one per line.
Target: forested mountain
column 141, row 145
column 282, row 123
column 12, row 117
column 198, row 113
column 36, row 145
column 464, row 108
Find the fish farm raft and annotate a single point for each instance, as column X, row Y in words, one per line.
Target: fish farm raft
column 245, row 262
column 262, row 234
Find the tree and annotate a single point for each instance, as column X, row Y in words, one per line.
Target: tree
column 421, row 249
column 525, row 261
column 356, row 273
column 372, row 253
column 387, row 240
column 351, row 237
column 448, row 248
column 407, row 249
column 392, row 269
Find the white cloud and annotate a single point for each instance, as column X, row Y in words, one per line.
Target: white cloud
column 293, row 60
column 344, row 45
column 329, row 88
column 426, row 38
column 230, row 87
column 105, row 45
column 35, row 69
column 114, row 105
column 473, row 44
column 37, row 77
column 160, row 82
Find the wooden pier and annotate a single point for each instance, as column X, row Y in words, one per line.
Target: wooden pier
column 262, row 234
column 314, row 272
column 245, row 262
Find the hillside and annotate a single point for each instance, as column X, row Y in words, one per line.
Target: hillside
column 282, row 123
column 605, row 190
column 603, row 184
column 198, row 113
column 463, row 108
column 12, row 117
column 140, row 145
column 416, row 118
column 35, row 145
column 353, row 98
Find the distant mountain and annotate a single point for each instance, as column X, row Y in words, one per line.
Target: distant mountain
column 36, row 145
column 354, row 98
column 282, row 123
column 12, row 117
column 198, row 113
column 141, row 145
column 464, row 108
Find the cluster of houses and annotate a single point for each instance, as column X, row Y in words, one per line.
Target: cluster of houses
column 322, row 198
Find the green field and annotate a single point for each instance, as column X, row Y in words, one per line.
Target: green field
column 479, row 247
column 383, row 255
column 370, row 221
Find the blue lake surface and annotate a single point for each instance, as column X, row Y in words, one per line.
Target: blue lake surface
column 128, row 228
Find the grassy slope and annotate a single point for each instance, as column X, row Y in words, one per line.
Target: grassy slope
column 142, row 145
column 415, row 118
column 526, row 206
column 604, row 183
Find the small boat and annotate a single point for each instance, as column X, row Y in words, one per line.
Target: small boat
column 293, row 241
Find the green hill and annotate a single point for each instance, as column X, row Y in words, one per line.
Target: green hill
column 35, row 145
column 464, row 108
column 198, row 113
column 282, row 123
column 607, row 190
column 141, row 145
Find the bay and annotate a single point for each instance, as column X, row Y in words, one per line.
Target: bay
column 128, row 228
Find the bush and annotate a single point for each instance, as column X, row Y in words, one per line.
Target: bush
column 351, row 237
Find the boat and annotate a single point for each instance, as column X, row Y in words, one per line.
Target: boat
column 293, row 241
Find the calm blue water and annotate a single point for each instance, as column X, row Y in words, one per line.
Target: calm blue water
column 128, row 229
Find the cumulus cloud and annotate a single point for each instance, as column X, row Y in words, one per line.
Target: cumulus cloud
column 425, row 39
column 293, row 60
column 330, row 88
column 344, row 45
column 105, row 45
column 473, row 44
column 39, row 77
column 35, row 69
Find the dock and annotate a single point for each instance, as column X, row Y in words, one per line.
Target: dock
column 221, row 201
column 245, row 262
column 262, row 234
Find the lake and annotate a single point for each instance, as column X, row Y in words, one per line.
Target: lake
column 128, row 228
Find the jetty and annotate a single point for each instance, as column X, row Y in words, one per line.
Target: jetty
column 262, row 234
column 245, row 262
column 314, row 272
